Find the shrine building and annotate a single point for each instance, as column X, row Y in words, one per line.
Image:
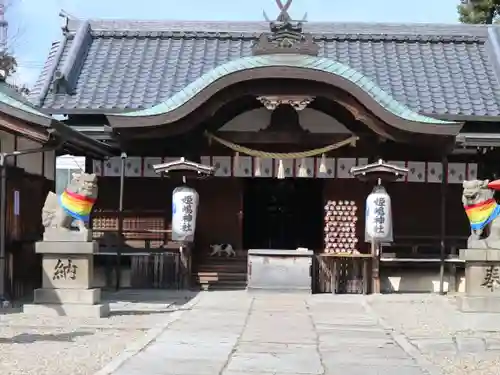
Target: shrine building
column 283, row 110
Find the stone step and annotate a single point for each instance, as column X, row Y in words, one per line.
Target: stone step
column 206, row 269
column 210, row 267
column 221, row 274
column 221, row 261
column 223, row 285
column 219, row 278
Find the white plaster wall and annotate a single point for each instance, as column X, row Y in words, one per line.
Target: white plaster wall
column 418, row 282
column 310, row 119
column 31, row 163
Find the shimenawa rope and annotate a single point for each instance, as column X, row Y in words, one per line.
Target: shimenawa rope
column 282, row 155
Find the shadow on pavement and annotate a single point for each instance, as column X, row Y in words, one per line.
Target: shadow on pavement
column 29, row 338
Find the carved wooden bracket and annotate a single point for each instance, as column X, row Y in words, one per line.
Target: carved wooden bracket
column 297, row 102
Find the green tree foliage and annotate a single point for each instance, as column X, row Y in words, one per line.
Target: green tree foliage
column 8, row 64
column 479, row 11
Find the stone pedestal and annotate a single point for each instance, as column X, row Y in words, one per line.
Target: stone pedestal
column 274, row 270
column 67, row 281
column 482, row 281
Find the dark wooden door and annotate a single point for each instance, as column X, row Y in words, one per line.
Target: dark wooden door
column 282, row 214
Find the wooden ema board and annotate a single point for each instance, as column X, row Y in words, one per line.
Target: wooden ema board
column 340, row 227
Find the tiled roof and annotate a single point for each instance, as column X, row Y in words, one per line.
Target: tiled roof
column 321, row 64
column 15, row 105
column 121, row 65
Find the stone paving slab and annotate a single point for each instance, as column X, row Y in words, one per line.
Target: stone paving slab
column 267, row 363
column 234, row 333
column 384, row 369
column 173, row 367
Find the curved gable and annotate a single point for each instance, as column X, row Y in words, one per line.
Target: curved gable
column 333, row 72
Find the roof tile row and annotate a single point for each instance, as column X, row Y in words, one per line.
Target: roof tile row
column 443, row 70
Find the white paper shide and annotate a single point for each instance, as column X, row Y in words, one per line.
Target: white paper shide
column 184, row 209
column 378, row 225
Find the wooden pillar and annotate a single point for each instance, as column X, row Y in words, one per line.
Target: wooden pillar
column 444, row 185
column 118, row 271
column 185, row 271
column 375, row 267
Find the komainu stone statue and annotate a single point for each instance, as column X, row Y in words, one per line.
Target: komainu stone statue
column 483, row 212
column 74, row 205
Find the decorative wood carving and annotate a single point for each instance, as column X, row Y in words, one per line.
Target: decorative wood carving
column 297, row 102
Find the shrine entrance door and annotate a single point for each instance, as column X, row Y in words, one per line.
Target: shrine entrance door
column 283, row 214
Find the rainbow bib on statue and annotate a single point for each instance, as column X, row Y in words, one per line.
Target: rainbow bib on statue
column 76, row 205
column 481, row 214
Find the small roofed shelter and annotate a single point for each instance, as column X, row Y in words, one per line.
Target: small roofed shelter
column 282, row 110
column 29, row 143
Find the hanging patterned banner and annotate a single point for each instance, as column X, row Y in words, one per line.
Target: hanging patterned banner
column 399, row 163
column 148, row 163
column 456, row 173
column 287, row 168
column 362, row 162
column 113, row 167
column 97, row 167
column 325, row 167
column 344, row 165
column 262, row 167
column 304, row 168
column 471, row 171
column 416, row 171
column 133, row 167
column 434, row 172
column 184, row 210
column 242, row 166
column 222, row 165
column 378, row 224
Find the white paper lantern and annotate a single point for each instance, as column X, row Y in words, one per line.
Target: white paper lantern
column 184, row 209
column 378, row 224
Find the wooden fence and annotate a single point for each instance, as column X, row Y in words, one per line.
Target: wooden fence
column 143, row 243
column 25, row 198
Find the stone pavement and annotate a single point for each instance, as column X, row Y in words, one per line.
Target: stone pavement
column 234, row 333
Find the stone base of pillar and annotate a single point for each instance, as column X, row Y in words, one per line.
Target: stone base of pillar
column 479, row 304
column 68, row 296
column 67, row 281
column 482, row 281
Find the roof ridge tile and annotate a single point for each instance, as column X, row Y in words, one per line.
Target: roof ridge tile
column 318, row 36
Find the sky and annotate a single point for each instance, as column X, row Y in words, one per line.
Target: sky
column 35, row 24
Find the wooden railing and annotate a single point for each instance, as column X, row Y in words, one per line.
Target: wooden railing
column 144, row 240
column 342, row 273
column 422, row 248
